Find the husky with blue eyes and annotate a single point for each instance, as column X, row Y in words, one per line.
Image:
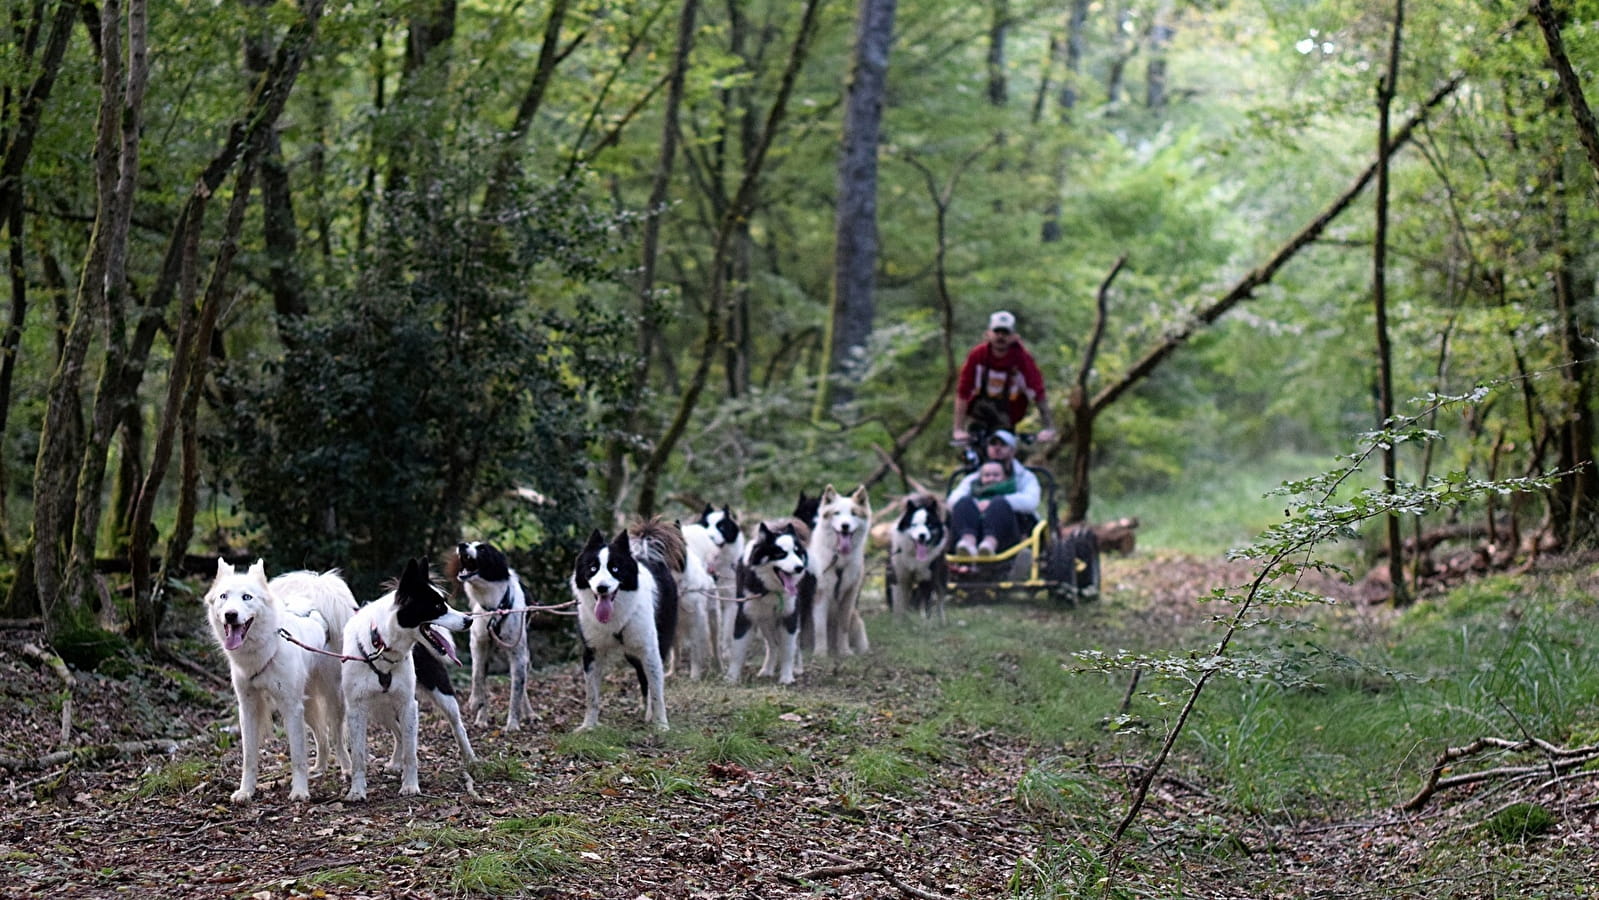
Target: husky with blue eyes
column 627, row 606
column 247, row 612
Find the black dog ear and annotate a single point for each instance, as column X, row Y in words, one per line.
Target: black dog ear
column 621, row 545
column 706, row 515
column 415, row 576
column 596, row 541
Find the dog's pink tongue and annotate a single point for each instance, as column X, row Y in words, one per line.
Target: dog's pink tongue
column 790, row 583
column 922, row 552
column 602, row 610
column 446, row 645
column 233, row 634
column 846, row 540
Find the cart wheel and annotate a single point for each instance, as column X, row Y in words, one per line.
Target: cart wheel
column 1073, row 565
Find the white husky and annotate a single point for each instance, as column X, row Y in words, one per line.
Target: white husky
column 838, row 557
column 269, row 672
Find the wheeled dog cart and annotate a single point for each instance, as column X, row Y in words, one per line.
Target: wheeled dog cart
column 1050, row 562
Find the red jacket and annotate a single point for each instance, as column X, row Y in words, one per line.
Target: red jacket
column 1014, row 376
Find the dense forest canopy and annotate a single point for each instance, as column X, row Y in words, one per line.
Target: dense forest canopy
column 337, row 284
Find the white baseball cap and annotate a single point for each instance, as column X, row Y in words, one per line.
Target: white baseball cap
column 1002, row 321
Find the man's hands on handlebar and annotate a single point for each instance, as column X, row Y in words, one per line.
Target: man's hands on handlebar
column 961, row 437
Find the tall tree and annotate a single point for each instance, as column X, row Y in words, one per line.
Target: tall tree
column 67, row 474
column 1577, row 492
column 1386, row 87
column 855, row 225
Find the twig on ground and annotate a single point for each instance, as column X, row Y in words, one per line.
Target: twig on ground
column 849, row 867
column 91, row 754
column 1559, row 759
column 195, row 668
column 46, row 658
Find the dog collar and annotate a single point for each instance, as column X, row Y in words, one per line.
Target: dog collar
column 378, row 648
column 266, row 665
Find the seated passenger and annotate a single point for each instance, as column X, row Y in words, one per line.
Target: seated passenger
column 984, row 507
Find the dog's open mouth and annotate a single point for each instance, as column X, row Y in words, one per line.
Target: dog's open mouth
column 233, row 633
column 846, row 541
column 790, row 582
column 441, row 642
column 602, row 607
column 923, row 551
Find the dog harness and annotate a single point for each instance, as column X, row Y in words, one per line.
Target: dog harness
column 378, row 649
column 504, row 609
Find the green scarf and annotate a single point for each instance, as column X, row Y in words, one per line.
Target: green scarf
column 998, row 488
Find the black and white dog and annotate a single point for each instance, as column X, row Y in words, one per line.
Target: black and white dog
column 492, row 587
column 389, row 638
column 918, row 575
column 776, row 586
column 626, row 604
column 716, row 539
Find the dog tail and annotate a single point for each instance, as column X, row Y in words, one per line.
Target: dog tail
column 331, row 597
column 659, row 540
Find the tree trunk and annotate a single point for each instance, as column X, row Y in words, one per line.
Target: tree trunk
column 1570, row 85
column 1161, row 32
column 10, row 345
column 1379, row 299
column 61, row 448
column 998, row 82
column 185, row 384
column 1083, row 413
column 855, row 231
column 1072, row 47
column 1576, row 492
column 942, row 200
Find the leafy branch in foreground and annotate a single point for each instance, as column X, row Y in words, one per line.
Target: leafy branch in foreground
column 1285, row 552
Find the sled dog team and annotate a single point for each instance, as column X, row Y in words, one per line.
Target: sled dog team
column 651, row 595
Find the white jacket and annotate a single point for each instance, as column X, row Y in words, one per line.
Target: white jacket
column 1024, row 499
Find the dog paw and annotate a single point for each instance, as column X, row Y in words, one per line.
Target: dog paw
column 299, row 796
column 409, row 790
column 355, row 796
column 243, row 796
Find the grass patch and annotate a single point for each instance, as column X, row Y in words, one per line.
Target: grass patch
column 519, row 853
column 502, row 768
column 599, row 744
column 1520, row 821
column 346, row 878
column 175, row 777
column 882, row 771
